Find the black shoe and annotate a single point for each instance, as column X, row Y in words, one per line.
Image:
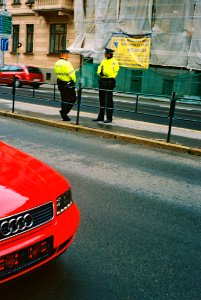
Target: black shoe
column 108, row 121
column 98, row 120
column 64, row 117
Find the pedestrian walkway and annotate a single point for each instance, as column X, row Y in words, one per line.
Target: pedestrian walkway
column 184, row 140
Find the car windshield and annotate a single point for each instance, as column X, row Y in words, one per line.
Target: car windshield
column 15, row 69
column 11, row 69
column 34, row 70
column 4, row 69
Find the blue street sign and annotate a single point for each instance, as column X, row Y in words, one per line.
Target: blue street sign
column 4, row 44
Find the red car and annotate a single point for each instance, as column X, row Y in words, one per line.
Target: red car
column 38, row 218
column 24, row 75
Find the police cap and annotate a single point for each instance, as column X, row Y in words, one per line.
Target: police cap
column 107, row 50
column 65, row 51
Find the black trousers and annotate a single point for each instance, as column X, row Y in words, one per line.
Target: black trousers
column 106, row 86
column 68, row 95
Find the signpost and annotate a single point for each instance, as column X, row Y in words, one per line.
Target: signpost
column 5, row 31
column 1, row 59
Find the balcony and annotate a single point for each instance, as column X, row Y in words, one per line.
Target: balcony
column 60, row 7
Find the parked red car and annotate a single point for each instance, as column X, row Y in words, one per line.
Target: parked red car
column 38, row 218
column 24, row 75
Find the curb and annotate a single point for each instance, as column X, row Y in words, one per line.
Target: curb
column 102, row 133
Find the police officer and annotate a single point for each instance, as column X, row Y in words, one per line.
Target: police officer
column 107, row 72
column 66, row 79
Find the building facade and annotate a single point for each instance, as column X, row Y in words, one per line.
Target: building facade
column 44, row 27
column 40, row 30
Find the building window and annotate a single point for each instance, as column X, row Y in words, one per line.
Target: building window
column 136, row 81
column 29, row 39
column 57, row 37
column 16, row 34
column 168, row 86
column 16, row 2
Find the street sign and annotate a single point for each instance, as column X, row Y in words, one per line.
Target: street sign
column 5, row 24
column 4, row 44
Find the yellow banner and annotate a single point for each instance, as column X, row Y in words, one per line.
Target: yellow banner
column 132, row 52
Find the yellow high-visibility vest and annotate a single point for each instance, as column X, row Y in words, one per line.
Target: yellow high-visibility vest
column 64, row 70
column 108, row 68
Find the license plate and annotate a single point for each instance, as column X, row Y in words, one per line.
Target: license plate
column 17, row 261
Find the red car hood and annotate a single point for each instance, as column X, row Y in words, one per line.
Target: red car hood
column 26, row 182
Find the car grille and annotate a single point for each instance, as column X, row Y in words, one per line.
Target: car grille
column 25, row 221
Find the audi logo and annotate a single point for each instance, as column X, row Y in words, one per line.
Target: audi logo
column 16, row 225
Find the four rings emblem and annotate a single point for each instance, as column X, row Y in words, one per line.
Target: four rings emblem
column 16, row 225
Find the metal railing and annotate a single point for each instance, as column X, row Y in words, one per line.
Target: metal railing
column 169, row 112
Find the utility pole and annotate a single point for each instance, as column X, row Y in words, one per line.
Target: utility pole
column 3, row 5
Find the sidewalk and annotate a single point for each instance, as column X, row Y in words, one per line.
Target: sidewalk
column 183, row 140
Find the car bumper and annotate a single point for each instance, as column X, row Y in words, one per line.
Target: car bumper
column 21, row 255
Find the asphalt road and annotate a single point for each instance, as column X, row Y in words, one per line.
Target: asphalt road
column 140, row 230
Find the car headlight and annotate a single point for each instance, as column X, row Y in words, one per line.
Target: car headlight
column 64, row 201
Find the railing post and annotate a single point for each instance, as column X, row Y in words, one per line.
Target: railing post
column 33, row 91
column 136, row 103
column 171, row 114
column 13, row 92
column 79, row 101
column 54, row 92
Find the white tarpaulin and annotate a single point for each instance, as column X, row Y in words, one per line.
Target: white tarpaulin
column 172, row 31
column 96, row 21
column 194, row 58
column 174, row 26
column 135, row 16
